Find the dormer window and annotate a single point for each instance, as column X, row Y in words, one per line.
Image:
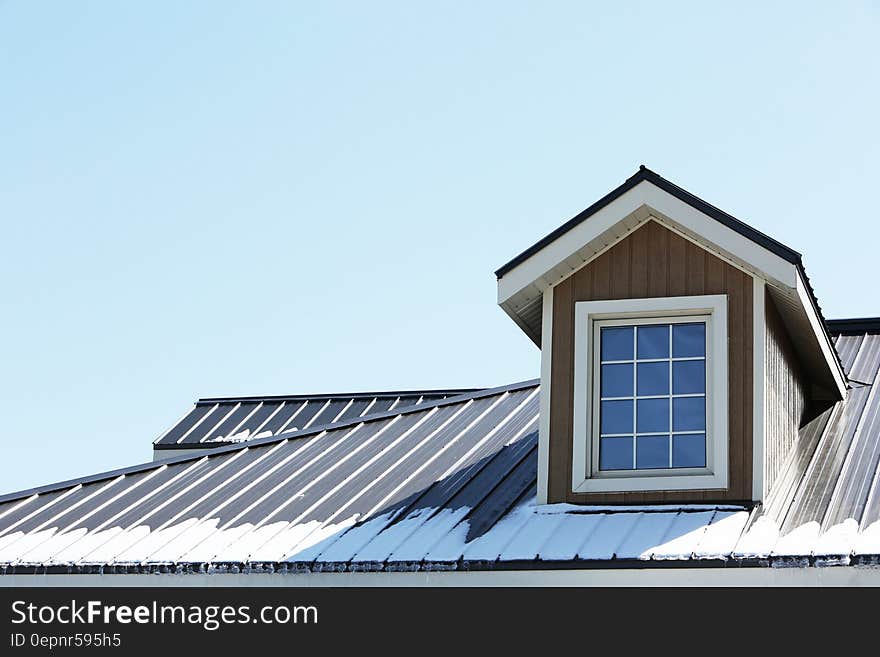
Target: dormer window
column 680, row 350
column 651, row 394
column 650, row 398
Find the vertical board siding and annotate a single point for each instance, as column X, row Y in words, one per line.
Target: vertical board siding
column 786, row 395
column 653, row 262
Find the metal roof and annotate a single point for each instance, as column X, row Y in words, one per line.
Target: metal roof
column 226, row 420
column 271, row 498
column 448, row 484
column 826, row 503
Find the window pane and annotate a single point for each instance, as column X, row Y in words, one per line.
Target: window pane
column 688, row 340
column 652, row 415
column 652, row 452
column 617, row 380
column 654, row 341
column 617, row 343
column 688, row 414
column 653, row 378
column 616, row 417
column 689, row 451
column 616, row 454
column 688, row 376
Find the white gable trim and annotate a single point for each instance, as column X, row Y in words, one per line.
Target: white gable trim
column 821, row 336
column 544, row 414
column 632, row 208
column 759, row 334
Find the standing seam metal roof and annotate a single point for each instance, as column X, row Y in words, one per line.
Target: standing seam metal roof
column 228, row 420
column 445, row 485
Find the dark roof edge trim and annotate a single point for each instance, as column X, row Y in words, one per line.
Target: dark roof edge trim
column 337, row 395
column 90, row 479
column 645, row 174
column 855, row 326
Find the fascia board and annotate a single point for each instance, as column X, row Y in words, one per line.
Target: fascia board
column 821, row 337
column 539, row 264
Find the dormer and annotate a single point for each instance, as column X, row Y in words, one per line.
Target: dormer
column 681, row 350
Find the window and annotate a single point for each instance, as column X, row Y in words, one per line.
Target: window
column 650, row 394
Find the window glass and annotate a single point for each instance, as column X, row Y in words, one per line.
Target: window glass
column 617, row 343
column 652, row 452
column 652, row 415
column 617, row 380
column 688, row 376
column 652, row 388
column 653, row 341
column 688, row 340
column 616, row 454
column 616, row 417
column 689, row 450
column 653, row 379
column 689, row 414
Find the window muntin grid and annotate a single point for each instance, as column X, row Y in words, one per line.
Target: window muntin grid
column 652, row 396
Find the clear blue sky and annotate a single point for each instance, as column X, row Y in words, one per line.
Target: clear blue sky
column 210, row 198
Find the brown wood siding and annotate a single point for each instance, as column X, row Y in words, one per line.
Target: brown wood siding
column 653, row 262
column 785, row 392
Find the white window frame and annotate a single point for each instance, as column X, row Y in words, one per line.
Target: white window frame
column 589, row 316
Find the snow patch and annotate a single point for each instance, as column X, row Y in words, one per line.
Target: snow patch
column 838, row 540
column 388, row 540
column 720, row 538
column 798, row 542
column 758, row 541
column 868, row 542
column 647, row 532
column 684, row 535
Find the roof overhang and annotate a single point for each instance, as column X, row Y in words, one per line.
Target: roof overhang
column 645, row 197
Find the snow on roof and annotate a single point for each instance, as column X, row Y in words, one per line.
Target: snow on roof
column 447, row 484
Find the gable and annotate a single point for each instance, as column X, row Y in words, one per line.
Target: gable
column 648, row 197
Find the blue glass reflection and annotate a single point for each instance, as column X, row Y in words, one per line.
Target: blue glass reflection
column 653, row 341
column 688, row 377
column 617, row 343
column 688, row 340
column 652, row 452
column 652, row 416
column 616, row 417
column 617, row 380
column 616, row 454
column 689, row 451
column 689, row 414
column 653, row 379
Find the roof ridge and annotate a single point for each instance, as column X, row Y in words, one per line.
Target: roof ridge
column 336, row 395
column 141, row 467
